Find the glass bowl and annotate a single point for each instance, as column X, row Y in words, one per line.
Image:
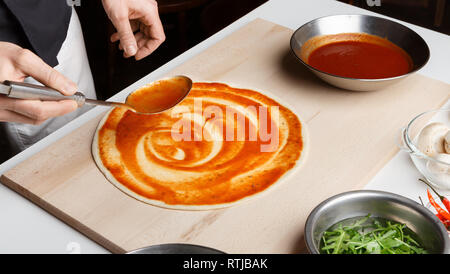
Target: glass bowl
column 434, row 170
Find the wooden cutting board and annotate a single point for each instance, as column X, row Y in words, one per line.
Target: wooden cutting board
column 352, row 135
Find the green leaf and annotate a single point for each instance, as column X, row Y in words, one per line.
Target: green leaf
column 370, row 236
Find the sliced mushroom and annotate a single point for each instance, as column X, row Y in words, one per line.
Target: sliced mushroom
column 447, row 142
column 431, row 139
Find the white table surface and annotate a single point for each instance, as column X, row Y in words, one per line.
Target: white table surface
column 26, row 228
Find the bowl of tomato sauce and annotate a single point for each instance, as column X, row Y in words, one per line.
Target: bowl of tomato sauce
column 359, row 52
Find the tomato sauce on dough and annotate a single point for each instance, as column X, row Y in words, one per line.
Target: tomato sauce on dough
column 141, row 153
column 360, row 56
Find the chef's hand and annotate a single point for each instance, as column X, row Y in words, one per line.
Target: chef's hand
column 16, row 64
column 140, row 16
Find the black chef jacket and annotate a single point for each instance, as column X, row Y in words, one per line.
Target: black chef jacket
column 38, row 25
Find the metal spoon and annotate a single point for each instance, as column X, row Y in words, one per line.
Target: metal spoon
column 181, row 84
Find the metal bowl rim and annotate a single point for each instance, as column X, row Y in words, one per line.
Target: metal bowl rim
column 371, row 194
column 174, row 244
column 360, row 79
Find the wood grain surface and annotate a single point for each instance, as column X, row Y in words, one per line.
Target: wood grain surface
column 352, row 135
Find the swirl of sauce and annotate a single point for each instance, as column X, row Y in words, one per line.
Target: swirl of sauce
column 217, row 147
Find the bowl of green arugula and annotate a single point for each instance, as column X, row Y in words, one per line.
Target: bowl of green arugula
column 374, row 222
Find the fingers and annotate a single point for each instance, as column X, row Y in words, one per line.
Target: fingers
column 30, row 64
column 33, row 111
column 18, row 63
column 134, row 26
column 148, row 46
column 150, row 27
column 43, row 110
column 125, row 34
column 154, row 32
column 138, row 36
column 11, row 116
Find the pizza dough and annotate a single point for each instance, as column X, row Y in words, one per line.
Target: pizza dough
column 218, row 147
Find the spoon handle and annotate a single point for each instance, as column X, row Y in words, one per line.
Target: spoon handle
column 105, row 103
column 28, row 91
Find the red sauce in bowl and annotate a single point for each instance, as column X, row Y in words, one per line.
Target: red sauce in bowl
column 357, row 55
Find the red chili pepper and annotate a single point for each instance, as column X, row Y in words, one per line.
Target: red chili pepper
column 439, row 209
column 443, row 220
column 444, row 200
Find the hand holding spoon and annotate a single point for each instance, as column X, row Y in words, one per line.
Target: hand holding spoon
column 153, row 98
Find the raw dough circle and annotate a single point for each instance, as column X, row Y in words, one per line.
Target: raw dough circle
column 141, row 155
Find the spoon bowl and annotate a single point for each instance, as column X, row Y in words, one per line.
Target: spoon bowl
column 153, row 98
column 160, row 95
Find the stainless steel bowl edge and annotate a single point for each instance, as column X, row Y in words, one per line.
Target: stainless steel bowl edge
column 395, row 32
column 176, row 248
column 387, row 205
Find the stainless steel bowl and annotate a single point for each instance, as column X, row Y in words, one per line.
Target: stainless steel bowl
column 176, row 249
column 431, row 232
column 398, row 34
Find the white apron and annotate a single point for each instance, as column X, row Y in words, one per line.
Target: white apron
column 72, row 63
